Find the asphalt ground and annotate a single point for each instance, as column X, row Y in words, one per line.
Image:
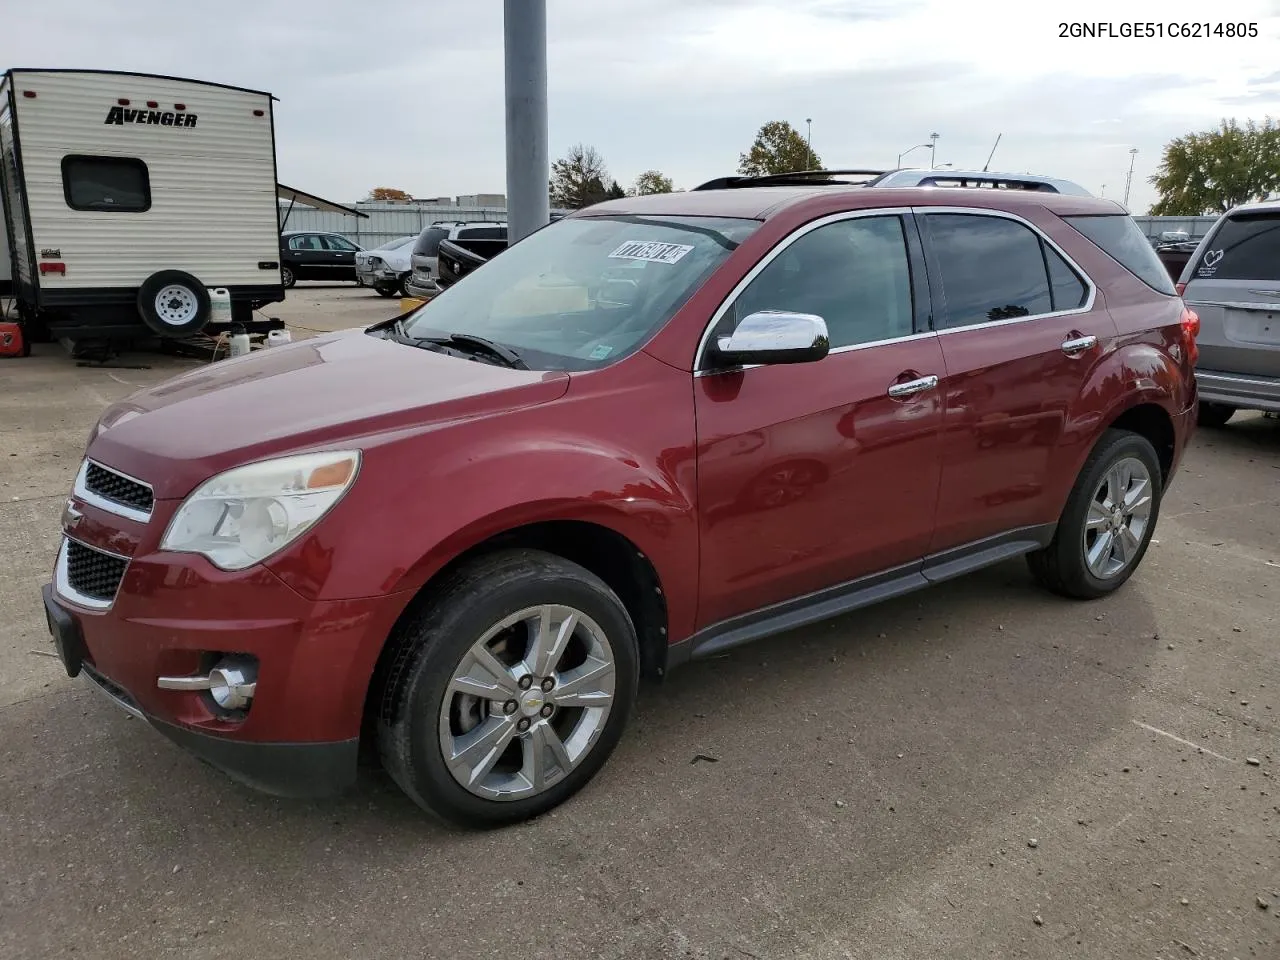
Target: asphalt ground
column 981, row 770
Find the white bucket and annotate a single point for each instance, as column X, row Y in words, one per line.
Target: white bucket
column 276, row 338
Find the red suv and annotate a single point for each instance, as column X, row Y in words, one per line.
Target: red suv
column 652, row 431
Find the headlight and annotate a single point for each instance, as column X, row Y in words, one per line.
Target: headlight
column 245, row 515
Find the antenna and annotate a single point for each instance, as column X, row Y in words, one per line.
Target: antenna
column 993, row 152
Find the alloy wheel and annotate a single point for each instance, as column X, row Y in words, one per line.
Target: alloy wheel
column 527, row 702
column 1118, row 518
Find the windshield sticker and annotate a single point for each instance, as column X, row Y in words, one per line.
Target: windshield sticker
column 650, row 250
column 600, row 352
column 1209, row 265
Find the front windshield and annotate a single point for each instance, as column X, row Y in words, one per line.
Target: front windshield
column 584, row 292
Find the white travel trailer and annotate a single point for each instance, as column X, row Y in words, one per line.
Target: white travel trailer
column 128, row 197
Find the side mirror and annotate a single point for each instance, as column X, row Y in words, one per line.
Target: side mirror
column 774, row 336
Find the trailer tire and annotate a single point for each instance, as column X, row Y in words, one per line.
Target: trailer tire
column 174, row 304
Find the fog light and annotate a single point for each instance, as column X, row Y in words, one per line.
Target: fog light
column 232, row 683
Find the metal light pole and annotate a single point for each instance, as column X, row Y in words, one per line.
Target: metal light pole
column 1104, row 191
column 908, row 150
column 933, row 149
column 808, row 139
column 1133, row 154
column 528, row 156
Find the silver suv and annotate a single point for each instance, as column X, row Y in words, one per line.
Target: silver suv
column 424, row 262
column 1233, row 282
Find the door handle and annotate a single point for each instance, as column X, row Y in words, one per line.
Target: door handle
column 1078, row 345
column 912, row 387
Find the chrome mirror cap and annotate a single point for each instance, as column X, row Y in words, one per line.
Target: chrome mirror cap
column 775, row 336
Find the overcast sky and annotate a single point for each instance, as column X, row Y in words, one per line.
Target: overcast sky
column 409, row 93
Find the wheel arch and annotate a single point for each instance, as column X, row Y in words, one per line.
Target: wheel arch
column 604, row 551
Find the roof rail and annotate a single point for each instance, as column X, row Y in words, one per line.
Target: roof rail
column 793, row 178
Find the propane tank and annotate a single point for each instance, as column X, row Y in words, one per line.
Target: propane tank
column 278, row 338
column 240, row 345
column 219, row 305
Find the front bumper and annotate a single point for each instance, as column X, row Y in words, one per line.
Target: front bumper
column 299, row 736
column 1245, row 391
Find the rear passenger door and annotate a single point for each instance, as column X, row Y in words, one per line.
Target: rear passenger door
column 307, row 256
column 1020, row 330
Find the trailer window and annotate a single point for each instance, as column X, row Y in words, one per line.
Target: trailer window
column 119, row 184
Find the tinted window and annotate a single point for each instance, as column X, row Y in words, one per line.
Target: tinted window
column 483, row 233
column 1243, row 248
column 853, row 273
column 106, row 183
column 1120, row 238
column 992, row 268
column 305, row 241
column 428, row 244
column 338, row 243
column 1069, row 291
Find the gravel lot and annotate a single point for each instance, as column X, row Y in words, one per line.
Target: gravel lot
column 982, row 770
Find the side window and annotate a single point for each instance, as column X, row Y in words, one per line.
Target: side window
column 853, row 273
column 992, row 268
column 1069, row 291
column 304, row 241
column 338, row 243
column 118, row 184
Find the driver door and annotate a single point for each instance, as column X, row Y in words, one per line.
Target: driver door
column 811, row 475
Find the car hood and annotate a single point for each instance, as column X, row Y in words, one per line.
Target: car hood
column 336, row 389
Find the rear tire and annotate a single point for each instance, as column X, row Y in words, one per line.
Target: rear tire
column 1107, row 501
column 287, row 277
column 1215, row 415
column 542, row 748
column 386, row 291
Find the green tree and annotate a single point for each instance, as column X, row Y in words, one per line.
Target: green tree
column 578, row 179
column 650, row 182
column 778, row 148
column 1210, row 172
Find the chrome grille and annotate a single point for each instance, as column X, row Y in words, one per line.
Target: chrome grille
column 92, row 573
column 118, row 488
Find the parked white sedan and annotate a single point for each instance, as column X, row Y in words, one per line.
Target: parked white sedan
column 385, row 268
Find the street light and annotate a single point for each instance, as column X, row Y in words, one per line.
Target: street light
column 1133, row 154
column 933, row 149
column 808, row 138
column 908, row 150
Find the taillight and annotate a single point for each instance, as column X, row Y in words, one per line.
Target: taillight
column 1190, row 323
column 1191, row 330
column 1181, row 288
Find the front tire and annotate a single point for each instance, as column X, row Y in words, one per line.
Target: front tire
column 1108, row 522
column 1214, row 415
column 507, row 691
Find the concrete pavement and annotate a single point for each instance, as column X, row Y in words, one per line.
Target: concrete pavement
column 981, row 770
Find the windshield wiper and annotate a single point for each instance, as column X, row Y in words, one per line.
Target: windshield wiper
column 505, row 354
column 460, row 341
